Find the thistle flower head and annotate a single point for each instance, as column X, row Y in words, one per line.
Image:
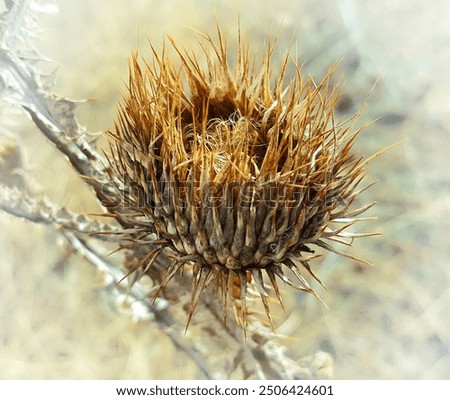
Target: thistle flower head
column 237, row 173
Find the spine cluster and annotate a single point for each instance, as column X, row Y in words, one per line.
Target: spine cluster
column 237, row 173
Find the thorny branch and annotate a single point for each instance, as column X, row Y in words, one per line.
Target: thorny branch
column 22, row 204
column 217, row 350
column 23, row 85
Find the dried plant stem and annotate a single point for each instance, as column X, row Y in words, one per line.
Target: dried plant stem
column 54, row 116
column 24, row 205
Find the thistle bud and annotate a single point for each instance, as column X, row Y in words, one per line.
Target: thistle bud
column 239, row 176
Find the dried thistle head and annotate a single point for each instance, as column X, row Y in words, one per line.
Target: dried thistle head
column 237, row 174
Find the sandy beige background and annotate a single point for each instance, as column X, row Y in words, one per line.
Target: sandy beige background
column 390, row 321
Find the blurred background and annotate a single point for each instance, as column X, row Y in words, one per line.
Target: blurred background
column 389, row 321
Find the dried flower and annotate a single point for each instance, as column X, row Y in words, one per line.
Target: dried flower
column 236, row 175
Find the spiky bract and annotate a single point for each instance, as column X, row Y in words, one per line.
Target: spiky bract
column 236, row 172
